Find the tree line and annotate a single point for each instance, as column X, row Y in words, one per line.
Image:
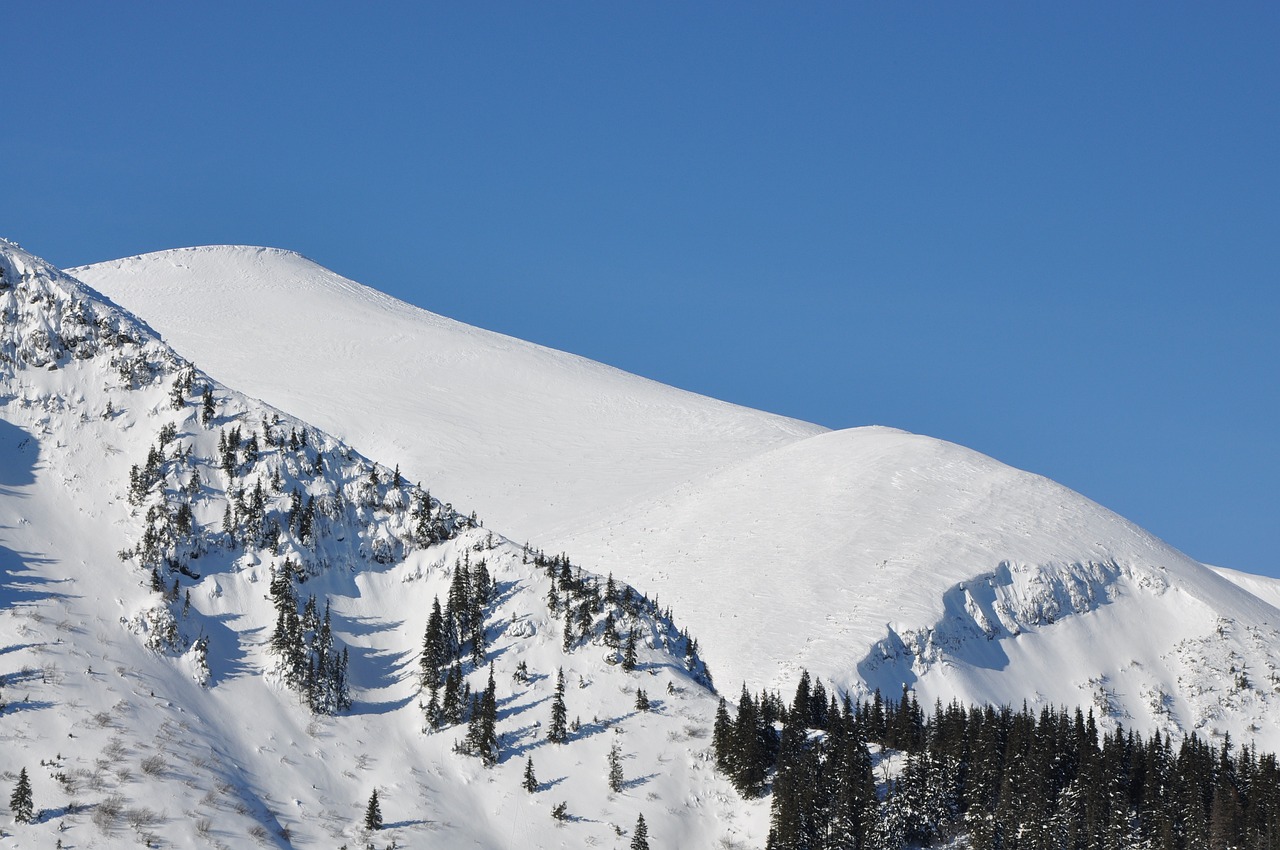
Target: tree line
column 1008, row 779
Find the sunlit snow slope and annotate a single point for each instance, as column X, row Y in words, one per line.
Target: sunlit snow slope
column 149, row 561
column 876, row 558
column 872, row 557
column 531, row 437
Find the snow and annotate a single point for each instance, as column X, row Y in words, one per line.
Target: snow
column 869, row 556
column 124, row 743
column 531, row 437
column 1265, row 588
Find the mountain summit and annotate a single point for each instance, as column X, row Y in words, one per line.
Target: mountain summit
column 222, row 624
column 532, row 437
column 871, row 557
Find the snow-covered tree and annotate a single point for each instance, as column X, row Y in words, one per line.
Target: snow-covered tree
column 615, row 768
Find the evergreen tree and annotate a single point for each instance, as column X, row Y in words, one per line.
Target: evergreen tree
column 482, row 736
column 615, row 769
column 629, row 654
column 530, row 780
column 435, row 650
column 373, row 813
column 567, row 644
column 640, row 835
column 721, row 737
column 20, row 802
column 751, row 757
column 558, row 730
column 642, row 700
column 454, row 697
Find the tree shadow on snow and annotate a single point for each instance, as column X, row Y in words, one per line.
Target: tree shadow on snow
column 506, row 710
column 228, row 649
column 19, row 454
column 632, row 784
column 520, row 742
column 20, row 585
column 377, row 669
column 362, row 626
column 502, row 591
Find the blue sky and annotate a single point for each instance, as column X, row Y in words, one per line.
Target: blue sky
column 1050, row 232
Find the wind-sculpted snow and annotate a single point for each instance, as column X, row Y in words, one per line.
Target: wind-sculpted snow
column 869, row 556
column 532, row 438
column 875, row 558
column 165, row 678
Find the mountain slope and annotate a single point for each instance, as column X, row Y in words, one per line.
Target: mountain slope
column 534, row 438
column 152, row 568
column 872, row 557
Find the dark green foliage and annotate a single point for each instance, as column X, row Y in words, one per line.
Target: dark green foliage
column 615, row 769
column 558, row 728
column 20, row 801
column 308, row 653
column 435, row 648
column 482, row 736
column 207, row 411
column 1008, row 780
column 629, row 653
column 642, row 700
column 530, row 782
column 373, row 813
column 751, row 747
column 640, row 835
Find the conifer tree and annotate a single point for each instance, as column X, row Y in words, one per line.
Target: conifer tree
column 20, row 802
column 615, row 768
column 482, row 736
column 454, row 697
column 640, row 835
column 373, row 813
column 567, row 645
column 435, row 652
column 558, row 730
column 629, row 654
column 721, row 737
column 530, row 780
column 642, row 700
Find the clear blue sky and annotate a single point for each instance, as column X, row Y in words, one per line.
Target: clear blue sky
column 1050, row 232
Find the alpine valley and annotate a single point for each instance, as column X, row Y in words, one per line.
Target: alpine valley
column 285, row 562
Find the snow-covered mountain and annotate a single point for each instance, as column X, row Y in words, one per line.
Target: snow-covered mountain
column 532, row 437
column 166, row 677
column 870, row 556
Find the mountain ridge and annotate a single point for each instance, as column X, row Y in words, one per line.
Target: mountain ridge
column 146, row 711
column 870, row 557
column 490, row 398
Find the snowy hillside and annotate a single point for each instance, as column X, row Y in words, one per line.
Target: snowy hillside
column 1266, row 589
column 531, row 437
column 167, row 678
column 908, row 559
column 869, row 556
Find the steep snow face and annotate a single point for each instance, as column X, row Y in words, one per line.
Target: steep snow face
column 530, row 437
column 1266, row 589
column 146, row 714
column 876, row 558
